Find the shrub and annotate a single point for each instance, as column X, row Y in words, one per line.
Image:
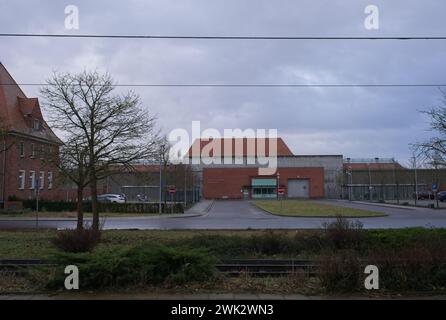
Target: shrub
column 139, row 266
column 340, row 272
column 57, row 206
column 13, row 198
column 421, row 266
column 271, row 243
column 77, row 240
column 344, row 234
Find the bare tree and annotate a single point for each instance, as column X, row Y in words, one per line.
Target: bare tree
column 71, row 160
column 433, row 150
column 104, row 131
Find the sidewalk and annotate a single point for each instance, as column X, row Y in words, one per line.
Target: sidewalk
column 203, row 296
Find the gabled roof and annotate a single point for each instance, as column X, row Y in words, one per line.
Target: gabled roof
column 239, row 147
column 17, row 111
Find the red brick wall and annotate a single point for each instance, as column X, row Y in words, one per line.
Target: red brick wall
column 14, row 163
column 228, row 182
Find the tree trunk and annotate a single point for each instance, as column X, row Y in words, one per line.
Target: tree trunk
column 80, row 208
column 94, row 203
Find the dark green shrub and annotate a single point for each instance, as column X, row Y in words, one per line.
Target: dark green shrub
column 77, row 240
column 272, row 243
column 222, row 246
column 13, row 198
column 421, row 266
column 57, row 206
column 340, row 272
column 139, row 266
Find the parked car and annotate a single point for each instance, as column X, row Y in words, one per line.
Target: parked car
column 113, row 198
column 424, row 195
column 442, row 196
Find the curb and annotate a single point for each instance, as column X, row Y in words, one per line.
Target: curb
column 386, row 205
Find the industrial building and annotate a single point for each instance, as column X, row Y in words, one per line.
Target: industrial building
column 296, row 176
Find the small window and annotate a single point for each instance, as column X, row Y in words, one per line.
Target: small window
column 21, row 179
column 36, row 124
column 32, row 180
column 33, row 150
column 50, row 180
column 22, row 149
column 42, row 152
column 42, row 180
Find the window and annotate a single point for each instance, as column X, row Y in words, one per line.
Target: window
column 32, row 180
column 33, row 150
column 36, row 124
column 21, row 179
column 22, row 149
column 42, row 152
column 42, row 180
column 50, row 180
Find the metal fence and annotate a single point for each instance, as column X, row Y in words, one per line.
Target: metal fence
column 152, row 194
column 381, row 192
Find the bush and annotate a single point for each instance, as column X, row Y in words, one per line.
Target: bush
column 421, row 266
column 58, row 206
column 271, row 243
column 344, row 234
column 340, row 272
column 139, row 266
column 77, row 240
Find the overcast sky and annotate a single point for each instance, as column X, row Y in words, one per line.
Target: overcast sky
column 355, row 122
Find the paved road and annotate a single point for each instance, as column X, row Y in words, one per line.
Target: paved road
column 242, row 215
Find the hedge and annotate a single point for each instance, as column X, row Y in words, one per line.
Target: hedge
column 56, row 206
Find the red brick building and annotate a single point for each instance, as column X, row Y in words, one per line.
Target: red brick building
column 299, row 176
column 28, row 145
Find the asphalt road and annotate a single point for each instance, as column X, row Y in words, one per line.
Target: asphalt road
column 242, row 215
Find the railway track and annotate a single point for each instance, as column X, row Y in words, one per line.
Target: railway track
column 230, row 267
column 267, row 267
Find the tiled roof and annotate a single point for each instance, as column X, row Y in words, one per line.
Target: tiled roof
column 249, row 145
column 17, row 112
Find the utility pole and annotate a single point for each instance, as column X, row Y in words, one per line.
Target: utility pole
column 185, row 180
column 161, row 182
column 416, row 178
column 370, row 184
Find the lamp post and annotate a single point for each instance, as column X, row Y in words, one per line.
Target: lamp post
column 416, row 178
column 161, row 182
column 350, row 182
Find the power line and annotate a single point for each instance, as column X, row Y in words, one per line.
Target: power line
column 123, row 36
column 216, row 85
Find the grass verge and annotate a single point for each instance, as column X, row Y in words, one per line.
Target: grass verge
column 307, row 208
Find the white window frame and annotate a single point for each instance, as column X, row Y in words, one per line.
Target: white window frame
column 32, row 179
column 50, row 180
column 41, row 180
column 22, row 179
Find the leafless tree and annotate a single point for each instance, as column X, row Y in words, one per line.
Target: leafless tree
column 104, row 131
column 433, row 150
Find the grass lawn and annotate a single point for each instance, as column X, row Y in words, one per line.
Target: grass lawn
column 31, row 244
column 307, row 208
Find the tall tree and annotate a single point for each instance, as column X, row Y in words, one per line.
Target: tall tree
column 433, row 150
column 106, row 131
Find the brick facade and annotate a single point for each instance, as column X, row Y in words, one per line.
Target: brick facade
column 227, row 183
column 29, row 147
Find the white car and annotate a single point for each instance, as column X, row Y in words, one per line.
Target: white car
column 112, row 198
